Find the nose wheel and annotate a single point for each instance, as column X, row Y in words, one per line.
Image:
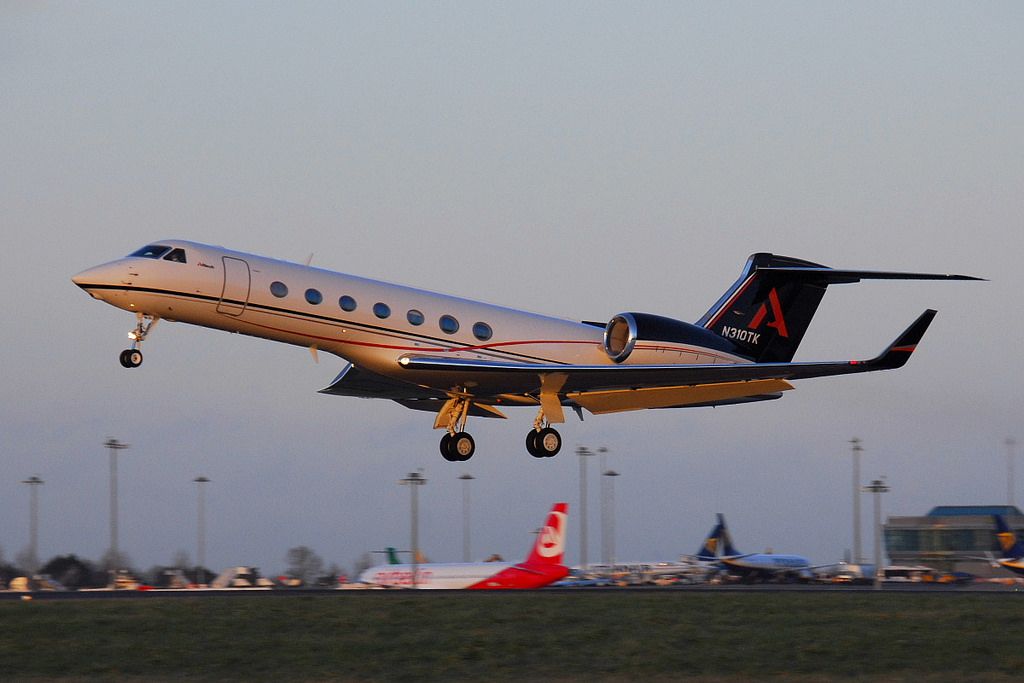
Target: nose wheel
column 132, row 358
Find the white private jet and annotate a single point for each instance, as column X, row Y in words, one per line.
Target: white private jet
column 457, row 357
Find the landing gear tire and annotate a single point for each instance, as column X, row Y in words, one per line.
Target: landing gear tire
column 548, row 442
column 531, row 444
column 131, row 358
column 543, row 444
column 458, row 447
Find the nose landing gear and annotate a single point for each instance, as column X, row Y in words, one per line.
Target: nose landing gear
column 132, row 357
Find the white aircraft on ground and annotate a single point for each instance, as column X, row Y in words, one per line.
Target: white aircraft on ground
column 460, row 358
column 541, row 567
column 694, row 567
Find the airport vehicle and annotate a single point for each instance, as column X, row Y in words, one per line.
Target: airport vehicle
column 543, row 566
column 459, row 358
column 242, row 577
column 908, row 573
column 1010, row 546
column 846, row 573
column 758, row 566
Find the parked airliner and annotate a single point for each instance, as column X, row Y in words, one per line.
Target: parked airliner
column 1010, row 547
column 757, row 566
column 692, row 567
column 459, row 358
column 541, row 567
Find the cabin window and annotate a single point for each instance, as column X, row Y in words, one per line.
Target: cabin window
column 151, row 251
column 449, row 325
column 414, row 317
column 279, row 289
column 347, row 303
column 482, row 331
column 381, row 310
column 313, row 296
column 176, row 255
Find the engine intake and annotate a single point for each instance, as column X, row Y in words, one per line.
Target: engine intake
column 623, row 331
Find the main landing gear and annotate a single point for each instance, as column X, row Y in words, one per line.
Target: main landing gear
column 132, row 357
column 543, row 443
column 458, row 446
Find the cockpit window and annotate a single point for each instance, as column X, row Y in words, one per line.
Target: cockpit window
column 176, row 255
column 151, row 251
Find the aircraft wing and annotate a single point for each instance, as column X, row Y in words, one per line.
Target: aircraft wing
column 629, row 387
column 355, row 381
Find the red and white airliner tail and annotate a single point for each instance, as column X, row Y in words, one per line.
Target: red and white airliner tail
column 543, row 566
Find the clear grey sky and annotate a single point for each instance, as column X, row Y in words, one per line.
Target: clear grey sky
column 578, row 159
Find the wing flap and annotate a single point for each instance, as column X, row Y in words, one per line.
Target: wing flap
column 621, row 400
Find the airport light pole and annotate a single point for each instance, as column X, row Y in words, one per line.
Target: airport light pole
column 466, row 478
column 583, row 452
column 608, row 516
column 857, row 450
column 414, row 480
column 1010, row 444
column 201, row 527
column 113, row 445
column 877, row 487
column 34, row 482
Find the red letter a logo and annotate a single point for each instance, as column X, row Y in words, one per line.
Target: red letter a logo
column 778, row 322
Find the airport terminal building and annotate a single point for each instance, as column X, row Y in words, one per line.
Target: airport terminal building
column 951, row 538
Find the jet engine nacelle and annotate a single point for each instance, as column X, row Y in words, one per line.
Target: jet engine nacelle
column 625, row 330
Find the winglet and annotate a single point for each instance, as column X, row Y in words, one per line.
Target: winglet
column 898, row 353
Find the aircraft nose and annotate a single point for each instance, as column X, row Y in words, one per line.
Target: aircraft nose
column 108, row 273
column 89, row 276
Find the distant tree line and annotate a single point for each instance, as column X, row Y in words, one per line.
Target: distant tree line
column 73, row 572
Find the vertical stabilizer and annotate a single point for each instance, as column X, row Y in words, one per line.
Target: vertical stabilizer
column 1007, row 541
column 709, row 548
column 549, row 548
column 769, row 308
column 725, row 539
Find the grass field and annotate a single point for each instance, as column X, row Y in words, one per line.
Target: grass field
column 532, row 636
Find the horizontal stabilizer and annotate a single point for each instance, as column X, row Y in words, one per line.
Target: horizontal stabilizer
column 831, row 276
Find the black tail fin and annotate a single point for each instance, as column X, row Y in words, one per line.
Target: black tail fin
column 768, row 309
column 766, row 312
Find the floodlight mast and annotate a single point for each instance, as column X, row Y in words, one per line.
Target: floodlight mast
column 857, row 450
column 608, row 516
column 34, row 482
column 877, row 487
column 466, row 478
column 113, row 445
column 201, row 527
column 414, row 480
